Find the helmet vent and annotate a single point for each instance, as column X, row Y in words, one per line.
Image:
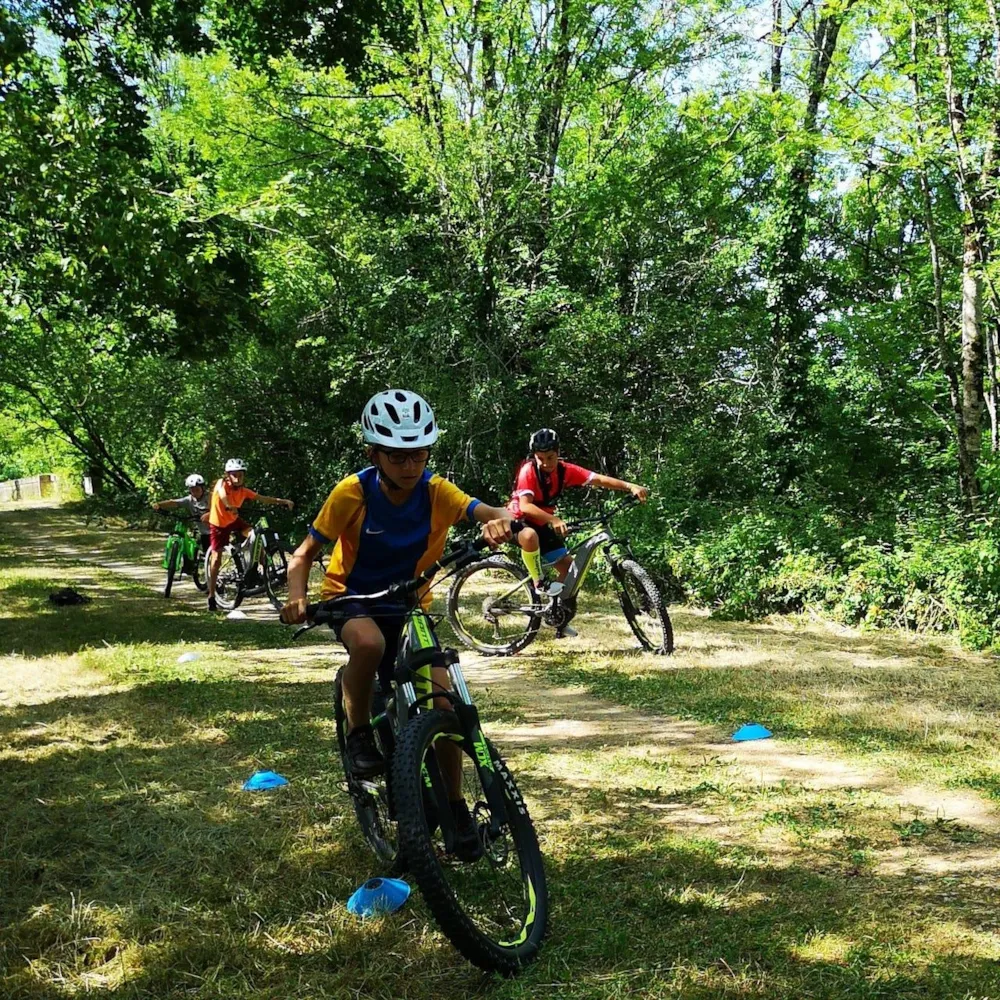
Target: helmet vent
column 391, row 410
column 384, row 431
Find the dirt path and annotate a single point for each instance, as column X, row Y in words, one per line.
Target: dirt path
column 565, row 725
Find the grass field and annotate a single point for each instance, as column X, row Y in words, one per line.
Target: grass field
column 854, row 857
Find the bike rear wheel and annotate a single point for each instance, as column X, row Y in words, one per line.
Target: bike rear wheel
column 369, row 796
column 493, row 607
column 494, row 910
column 644, row 608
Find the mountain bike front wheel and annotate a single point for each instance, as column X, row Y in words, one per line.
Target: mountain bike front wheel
column 493, row 909
column 173, row 566
column 229, row 582
column 275, row 570
column 644, row 608
column 493, row 607
column 197, row 570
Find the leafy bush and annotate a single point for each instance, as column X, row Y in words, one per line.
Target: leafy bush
column 927, row 576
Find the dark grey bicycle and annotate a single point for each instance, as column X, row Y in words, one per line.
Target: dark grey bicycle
column 494, row 608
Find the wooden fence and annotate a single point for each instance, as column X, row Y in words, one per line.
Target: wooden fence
column 31, row 488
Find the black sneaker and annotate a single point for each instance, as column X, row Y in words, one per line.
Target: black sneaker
column 365, row 757
column 212, row 604
column 468, row 847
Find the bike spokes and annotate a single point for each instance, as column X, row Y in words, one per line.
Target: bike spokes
column 492, row 607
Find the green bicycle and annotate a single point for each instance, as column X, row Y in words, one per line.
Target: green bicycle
column 182, row 554
column 493, row 909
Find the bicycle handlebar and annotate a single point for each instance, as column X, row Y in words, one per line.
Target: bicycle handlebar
column 614, row 511
column 176, row 517
column 325, row 612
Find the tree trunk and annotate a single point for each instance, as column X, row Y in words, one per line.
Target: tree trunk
column 966, row 465
column 977, row 198
column 973, row 358
column 992, row 389
column 777, row 44
column 790, row 313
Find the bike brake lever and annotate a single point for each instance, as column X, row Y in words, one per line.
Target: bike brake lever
column 301, row 629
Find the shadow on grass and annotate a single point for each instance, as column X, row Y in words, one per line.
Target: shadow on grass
column 119, row 612
column 133, row 864
column 117, row 620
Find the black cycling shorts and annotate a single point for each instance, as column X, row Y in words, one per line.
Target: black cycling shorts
column 390, row 624
column 551, row 546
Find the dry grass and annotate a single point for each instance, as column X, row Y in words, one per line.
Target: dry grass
column 131, row 863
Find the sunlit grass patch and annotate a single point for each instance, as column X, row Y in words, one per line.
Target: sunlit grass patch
column 133, row 864
column 897, row 700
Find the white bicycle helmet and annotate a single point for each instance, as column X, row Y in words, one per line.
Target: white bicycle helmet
column 236, row 465
column 194, row 480
column 398, row 418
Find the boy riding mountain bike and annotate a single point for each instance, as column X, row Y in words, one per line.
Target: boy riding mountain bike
column 389, row 522
column 195, row 503
column 542, row 477
column 228, row 495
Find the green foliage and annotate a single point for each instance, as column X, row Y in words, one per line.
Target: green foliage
column 926, row 577
column 226, row 225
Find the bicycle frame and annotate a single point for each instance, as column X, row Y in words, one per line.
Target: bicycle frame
column 419, row 653
column 583, row 558
column 253, row 544
column 180, row 542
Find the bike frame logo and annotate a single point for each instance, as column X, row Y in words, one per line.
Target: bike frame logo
column 482, row 752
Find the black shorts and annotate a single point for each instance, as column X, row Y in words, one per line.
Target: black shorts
column 390, row 621
column 551, row 546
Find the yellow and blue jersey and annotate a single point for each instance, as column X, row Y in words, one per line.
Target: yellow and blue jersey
column 380, row 543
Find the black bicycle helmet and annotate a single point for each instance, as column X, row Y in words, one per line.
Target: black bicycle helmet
column 545, row 439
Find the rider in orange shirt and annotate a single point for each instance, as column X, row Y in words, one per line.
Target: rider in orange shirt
column 228, row 495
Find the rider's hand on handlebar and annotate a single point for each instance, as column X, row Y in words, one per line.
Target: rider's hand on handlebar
column 294, row 612
column 639, row 492
column 559, row 526
column 497, row 532
column 289, row 504
column 156, row 506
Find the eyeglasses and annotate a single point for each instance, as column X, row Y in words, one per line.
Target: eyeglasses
column 416, row 455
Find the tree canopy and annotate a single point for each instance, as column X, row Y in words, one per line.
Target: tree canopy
column 744, row 253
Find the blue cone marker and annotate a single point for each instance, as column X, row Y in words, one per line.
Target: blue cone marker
column 263, row 780
column 751, row 731
column 378, row 895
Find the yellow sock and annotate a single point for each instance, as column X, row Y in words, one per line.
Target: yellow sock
column 533, row 563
